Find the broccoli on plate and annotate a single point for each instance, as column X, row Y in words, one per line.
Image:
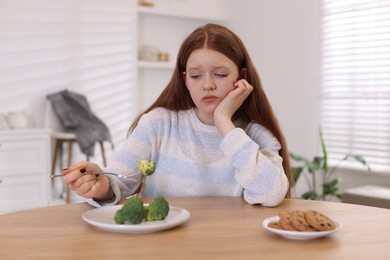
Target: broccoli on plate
column 132, row 212
column 158, row 209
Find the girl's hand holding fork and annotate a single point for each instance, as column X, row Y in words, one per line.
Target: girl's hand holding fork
column 86, row 185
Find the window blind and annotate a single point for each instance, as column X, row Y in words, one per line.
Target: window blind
column 86, row 46
column 355, row 95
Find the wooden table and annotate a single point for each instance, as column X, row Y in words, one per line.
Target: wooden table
column 219, row 228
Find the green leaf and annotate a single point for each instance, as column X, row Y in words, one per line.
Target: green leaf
column 331, row 187
column 333, row 182
column 325, row 165
column 310, row 195
column 315, row 165
column 296, row 172
column 331, row 191
column 319, row 160
column 363, row 161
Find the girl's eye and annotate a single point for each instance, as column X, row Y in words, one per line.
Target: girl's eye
column 196, row 76
column 221, row 75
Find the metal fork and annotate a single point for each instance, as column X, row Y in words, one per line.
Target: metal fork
column 97, row 174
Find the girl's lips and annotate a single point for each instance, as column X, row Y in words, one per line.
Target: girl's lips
column 209, row 98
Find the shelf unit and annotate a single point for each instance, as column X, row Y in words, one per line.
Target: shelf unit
column 165, row 26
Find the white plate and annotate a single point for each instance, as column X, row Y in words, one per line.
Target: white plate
column 298, row 235
column 103, row 218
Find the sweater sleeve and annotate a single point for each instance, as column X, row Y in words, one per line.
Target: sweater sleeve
column 137, row 146
column 117, row 194
column 258, row 166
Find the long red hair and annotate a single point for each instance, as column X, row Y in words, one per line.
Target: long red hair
column 256, row 108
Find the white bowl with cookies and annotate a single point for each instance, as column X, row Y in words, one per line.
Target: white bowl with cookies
column 302, row 225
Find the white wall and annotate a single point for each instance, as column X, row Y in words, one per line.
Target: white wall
column 283, row 40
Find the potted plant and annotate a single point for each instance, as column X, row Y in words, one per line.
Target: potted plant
column 318, row 167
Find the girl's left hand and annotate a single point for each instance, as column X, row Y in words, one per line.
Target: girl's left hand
column 225, row 110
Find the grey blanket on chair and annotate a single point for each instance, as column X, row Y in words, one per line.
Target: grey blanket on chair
column 75, row 116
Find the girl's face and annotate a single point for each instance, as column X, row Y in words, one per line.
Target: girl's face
column 209, row 77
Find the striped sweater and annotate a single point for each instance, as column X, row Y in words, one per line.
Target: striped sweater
column 194, row 159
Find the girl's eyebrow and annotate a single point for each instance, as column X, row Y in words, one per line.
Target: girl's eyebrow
column 214, row 67
column 192, row 68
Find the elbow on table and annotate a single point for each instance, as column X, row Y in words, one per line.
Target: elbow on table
column 270, row 199
column 270, row 203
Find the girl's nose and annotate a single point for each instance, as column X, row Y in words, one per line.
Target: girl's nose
column 209, row 84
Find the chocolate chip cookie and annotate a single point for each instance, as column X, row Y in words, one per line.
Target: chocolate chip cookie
column 319, row 221
column 298, row 220
column 286, row 221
